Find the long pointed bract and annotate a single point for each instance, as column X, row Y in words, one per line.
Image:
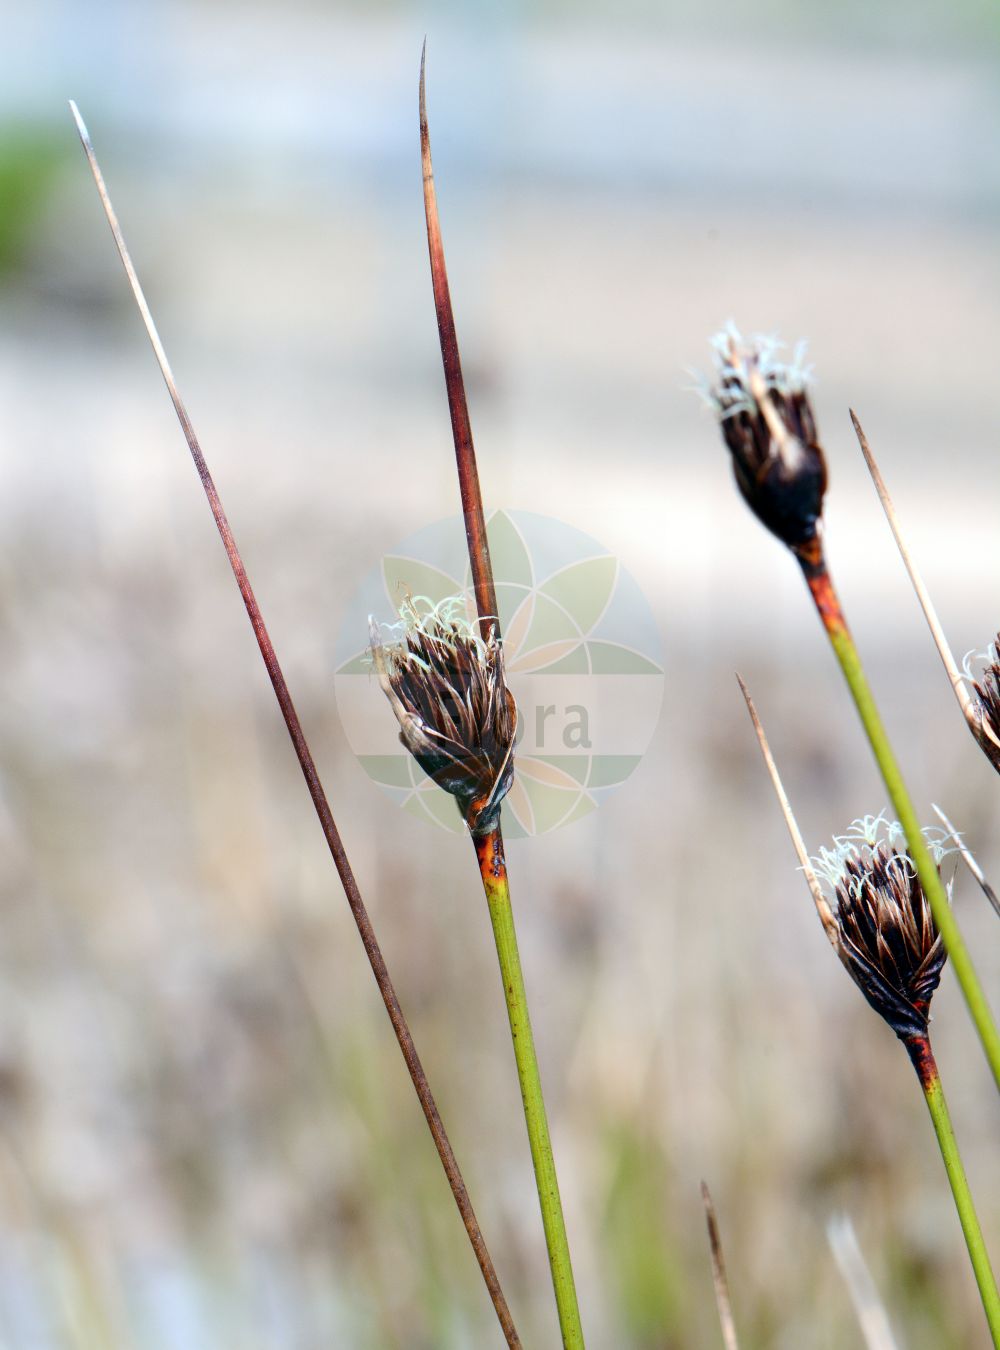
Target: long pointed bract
column 958, row 683
column 309, row 771
column 816, row 890
column 722, row 1301
column 465, row 453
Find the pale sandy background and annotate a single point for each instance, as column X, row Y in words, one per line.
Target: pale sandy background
column 207, row 1136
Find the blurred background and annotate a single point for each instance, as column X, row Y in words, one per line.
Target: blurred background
column 207, row 1138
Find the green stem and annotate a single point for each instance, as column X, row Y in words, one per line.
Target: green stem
column 489, row 850
column 831, row 614
column 930, row 1081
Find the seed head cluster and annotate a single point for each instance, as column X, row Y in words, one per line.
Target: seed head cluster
column 986, row 694
column 886, row 935
column 456, row 716
column 767, row 423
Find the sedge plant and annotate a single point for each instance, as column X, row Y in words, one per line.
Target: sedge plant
column 769, row 428
column 882, row 928
column 317, row 793
column 445, row 682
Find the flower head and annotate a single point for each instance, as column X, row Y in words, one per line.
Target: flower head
column 767, row 422
column 457, row 718
column 985, row 715
column 886, row 935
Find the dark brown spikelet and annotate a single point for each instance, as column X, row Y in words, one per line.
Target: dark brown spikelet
column 456, row 715
column 986, row 692
column 886, row 937
column 767, row 423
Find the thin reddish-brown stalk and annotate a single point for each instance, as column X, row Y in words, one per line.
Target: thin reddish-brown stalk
column 309, row 772
column 465, row 454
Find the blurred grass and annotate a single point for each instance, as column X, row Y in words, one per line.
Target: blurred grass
column 32, row 159
column 638, row 1241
